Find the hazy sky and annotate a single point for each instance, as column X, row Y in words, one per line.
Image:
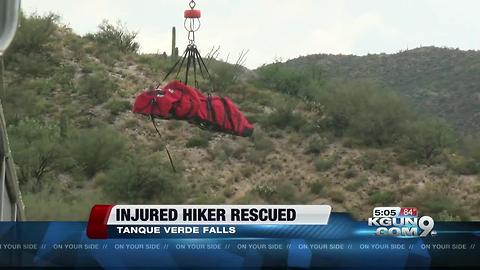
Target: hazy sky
column 283, row 29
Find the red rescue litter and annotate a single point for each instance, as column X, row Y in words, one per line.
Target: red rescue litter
column 180, row 101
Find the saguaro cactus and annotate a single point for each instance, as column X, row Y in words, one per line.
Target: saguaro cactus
column 174, row 45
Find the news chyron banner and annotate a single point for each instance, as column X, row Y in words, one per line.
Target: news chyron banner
column 242, row 237
column 200, row 221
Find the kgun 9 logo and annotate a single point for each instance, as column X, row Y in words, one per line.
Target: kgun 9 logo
column 392, row 223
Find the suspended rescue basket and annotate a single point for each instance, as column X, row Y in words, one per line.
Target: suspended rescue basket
column 177, row 100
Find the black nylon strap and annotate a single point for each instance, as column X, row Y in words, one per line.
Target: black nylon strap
column 189, row 61
column 173, row 68
column 228, row 113
column 192, row 57
column 160, row 135
column 212, row 116
column 201, row 62
column 194, row 62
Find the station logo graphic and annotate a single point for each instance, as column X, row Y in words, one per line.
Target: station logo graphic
column 401, row 222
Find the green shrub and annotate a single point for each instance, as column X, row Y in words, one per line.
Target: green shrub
column 464, row 165
column 316, row 145
column 446, row 216
column 436, row 200
column 97, row 87
column 287, row 80
column 92, row 67
column 224, row 75
column 426, row 139
column 469, row 162
column 247, row 170
column 173, row 125
column 76, row 44
column 374, row 161
column 115, row 36
column 444, row 208
column 337, row 195
column 30, row 52
column 322, row 164
column 382, row 167
column 153, row 63
column 384, row 198
column 316, row 187
column 356, row 184
column 379, row 124
column 197, row 142
column 284, row 192
column 200, row 140
column 141, row 178
column 263, row 146
column 394, row 175
column 471, row 146
column 35, row 33
column 264, row 191
column 369, row 160
column 350, row 173
column 64, row 76
column 69, row 206
column 36, row 148
column 215, row 198
column 240, row 150
column 261, row 142
column 34, row 65
column 284, row 118
column 438, row 205
column 108, row 56
column 229, row 192
column 408, row 189
column 117, row 106
column 95, row 149
column 256, row 156
column 42, row 87
column 363, row 110
column 22, row 103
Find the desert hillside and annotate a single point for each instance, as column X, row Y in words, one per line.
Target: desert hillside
column 440, row 81
column 320, row 137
